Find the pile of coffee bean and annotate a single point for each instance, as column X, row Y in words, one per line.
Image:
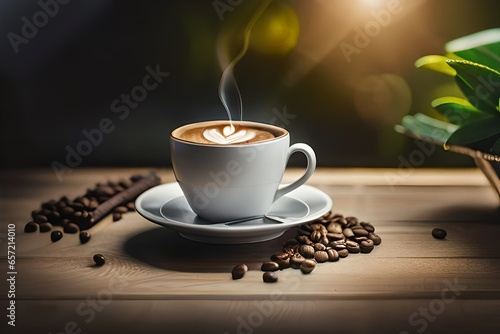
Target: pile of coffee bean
column 81, row 213
column 326, row 239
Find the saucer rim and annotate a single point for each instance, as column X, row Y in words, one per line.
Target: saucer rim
column 227, row 231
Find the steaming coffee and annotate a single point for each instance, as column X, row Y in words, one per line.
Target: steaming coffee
column 226, row 133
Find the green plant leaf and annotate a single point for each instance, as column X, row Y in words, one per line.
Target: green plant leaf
column 480, row 84
column 475, row 132
column 458, row 111
column 426, row 128
column 482, row 47
column 435, row 63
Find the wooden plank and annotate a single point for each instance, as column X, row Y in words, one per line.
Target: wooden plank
column 275, row 314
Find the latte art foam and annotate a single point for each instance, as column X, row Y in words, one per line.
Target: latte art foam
column 226, row 134
column 229, row 135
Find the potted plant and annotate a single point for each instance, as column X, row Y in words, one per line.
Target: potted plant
column 471, row 123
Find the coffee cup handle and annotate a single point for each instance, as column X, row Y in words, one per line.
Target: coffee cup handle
column 311, row 166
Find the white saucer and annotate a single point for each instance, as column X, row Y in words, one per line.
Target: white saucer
column 166, row 205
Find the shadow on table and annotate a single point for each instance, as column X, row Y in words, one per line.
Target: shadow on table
column 164, row 248
column 465, row 213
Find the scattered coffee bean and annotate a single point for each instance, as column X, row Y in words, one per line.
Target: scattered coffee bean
column 366, row 246
column 375, row 238
column 307, row 266
column 282, row 259
column 56, row 236
column 352, row 246
column 296, row 260
column 360, row 232
column 239, row 271
column 348, row 233
column 439, row 233
column 328, row 238
column 117, row 216
column 31, row 227
column 84, row 237
column 45, row 227
column 71, row 228
column 120, row 209
column 86, row 210
column 99, row 259
column 343, row 252
column 321, row 256
column 369, row 227
column 269, row 266
column 306, row 251
column 333, row 255
column 270, row 277
column 40, row 219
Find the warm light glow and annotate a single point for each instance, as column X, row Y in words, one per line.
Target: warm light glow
column 371, row 3
column 277, row 31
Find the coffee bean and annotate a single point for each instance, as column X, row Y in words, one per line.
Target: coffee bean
column 56, row 236
column 117, row 216
column 120, row 209
column 99, row 259
column 40, row 219
column 84, row 237
column 304, row 232
column 85, row 201
column 304, row 240
column 338, row 245
column 321, row 256
column 93, row 204
column 239, row 271
column 31, row 227
column 306, row 251
column 130, row 206
column 369, row 227
column 307, row 266
column 104, row 191
column 439, row 233
column 352, row 246
column 334, row 228
column 355, row 227
column 49, row 206
column 367, row 246
column 125, row 183
column 68, row 211
column 333, row 255
column 282, row 259
column 45, row 227
column 269, row 266
column 352, row 220
column 270, row 277
column 343, row 252
column 348, row 233
column 360, row 232
column 71, row 228
column 325, row 241
column 375, row 238
column 335, row 236
column 296, row 260
column 77, row 206
column 316, row 236
column 359, row 239
column 319, row 247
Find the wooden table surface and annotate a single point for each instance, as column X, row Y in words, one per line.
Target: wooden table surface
column 155, row 281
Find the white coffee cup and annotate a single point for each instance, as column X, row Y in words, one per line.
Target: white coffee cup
column 235, row 181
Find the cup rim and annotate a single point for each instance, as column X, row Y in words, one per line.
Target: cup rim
column 276, row 128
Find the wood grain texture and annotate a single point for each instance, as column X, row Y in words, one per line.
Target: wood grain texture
column 156, row 281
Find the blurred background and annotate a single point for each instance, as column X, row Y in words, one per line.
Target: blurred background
column 102, row 83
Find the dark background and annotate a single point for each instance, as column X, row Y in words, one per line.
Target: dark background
column 65, row 78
